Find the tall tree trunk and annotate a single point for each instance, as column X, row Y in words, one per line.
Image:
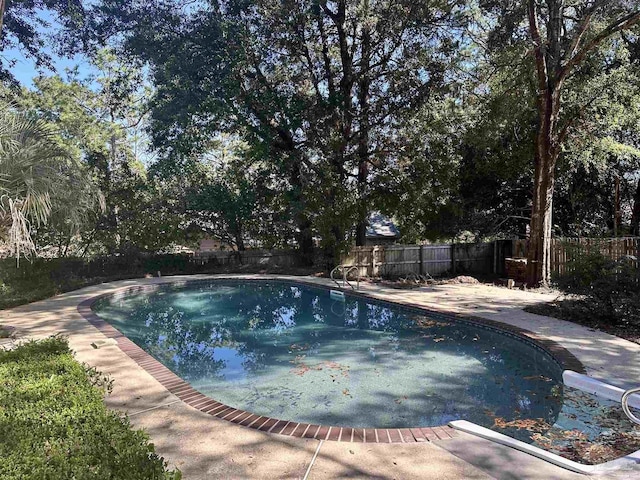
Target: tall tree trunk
column 363, row 202
column 113, row 210
column 343, row 123
column 361, row 232
column 635, row 218
column 337, row 239
column 539, row 251
column 617, row 214
column 334, row 244
column 540, row 228
column 305, row 239
column 552, row 69
column 304, row 235
column 549, row 84
column 364, row 86
column 239, row 239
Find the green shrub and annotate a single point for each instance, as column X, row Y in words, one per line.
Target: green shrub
column 610, row 288
column 54, row 424
column 45, row 277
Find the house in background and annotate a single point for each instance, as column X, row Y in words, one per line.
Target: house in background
column 210, row 244
column 381, row 230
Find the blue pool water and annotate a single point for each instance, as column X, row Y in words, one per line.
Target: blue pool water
column 292, row 352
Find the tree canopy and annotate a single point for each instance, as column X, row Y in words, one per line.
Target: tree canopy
column 285, row 123
column 24, row 25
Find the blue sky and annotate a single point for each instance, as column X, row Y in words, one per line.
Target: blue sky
column 25, row 69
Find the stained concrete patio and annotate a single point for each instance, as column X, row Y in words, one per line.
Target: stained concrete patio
column 203, row 446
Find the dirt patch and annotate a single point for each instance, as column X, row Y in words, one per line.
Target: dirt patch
column 7, row 331
column 417, row 281
column 461, row 279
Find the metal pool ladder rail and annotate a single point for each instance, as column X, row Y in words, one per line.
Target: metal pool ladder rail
column 625, row 404
column 346, row 270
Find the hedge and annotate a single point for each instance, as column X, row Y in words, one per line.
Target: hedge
column 54, row 424
column 44, row 277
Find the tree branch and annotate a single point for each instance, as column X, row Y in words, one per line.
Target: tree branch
column 615, row 27
column 582, row 28
column 541, row 64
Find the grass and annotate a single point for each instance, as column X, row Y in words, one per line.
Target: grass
column 54, row 424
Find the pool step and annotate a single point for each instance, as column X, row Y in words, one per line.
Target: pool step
column 336, row 295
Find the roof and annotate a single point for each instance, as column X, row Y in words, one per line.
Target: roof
column 381, row 226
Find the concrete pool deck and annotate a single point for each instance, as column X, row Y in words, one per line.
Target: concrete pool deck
column 203, row 446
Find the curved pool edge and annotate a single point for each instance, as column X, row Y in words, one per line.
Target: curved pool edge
column 630, row 462
column 192, row 397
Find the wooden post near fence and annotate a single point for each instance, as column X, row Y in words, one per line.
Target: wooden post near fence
column 373, row 261
column 453, row 258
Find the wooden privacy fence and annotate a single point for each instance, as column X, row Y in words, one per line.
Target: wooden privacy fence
column 401, row 260
column 563, row 250
column 438, row 259
column 280, row 258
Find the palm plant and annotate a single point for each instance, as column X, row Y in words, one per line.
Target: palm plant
column 31, row 164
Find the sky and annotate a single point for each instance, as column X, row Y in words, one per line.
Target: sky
column 25, row 69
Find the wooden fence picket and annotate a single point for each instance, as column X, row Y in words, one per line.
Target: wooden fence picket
column 438, row 259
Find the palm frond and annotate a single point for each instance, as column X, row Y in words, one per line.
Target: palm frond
column 31, row 174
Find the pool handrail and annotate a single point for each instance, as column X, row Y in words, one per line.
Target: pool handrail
column 346, row 270
column 625, row 404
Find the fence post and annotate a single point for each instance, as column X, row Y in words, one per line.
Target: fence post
column 495, row 257
column 373, row 260
column 453, row 258
column 421, row 257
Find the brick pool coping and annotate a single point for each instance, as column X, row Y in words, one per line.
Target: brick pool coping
column 192, row 397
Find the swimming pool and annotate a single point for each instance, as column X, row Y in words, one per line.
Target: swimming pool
column 290, row 351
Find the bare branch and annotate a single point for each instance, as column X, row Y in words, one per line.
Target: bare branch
column 621, row 24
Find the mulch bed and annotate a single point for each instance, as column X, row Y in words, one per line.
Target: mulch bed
column 578, row 311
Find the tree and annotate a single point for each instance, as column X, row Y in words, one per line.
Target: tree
column 222, row 199
column 97, row 121
column 23, row 25
column 223, row 209
column 571, row 46
column 227, row 195
column 33, row 176
column 563, row 36
column 497, row 149
column 317, row 88
column 74, row 115
column 635, row 219
column 420, row 190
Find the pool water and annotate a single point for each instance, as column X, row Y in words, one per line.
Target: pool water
column 292, row 352
column 588, row 429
